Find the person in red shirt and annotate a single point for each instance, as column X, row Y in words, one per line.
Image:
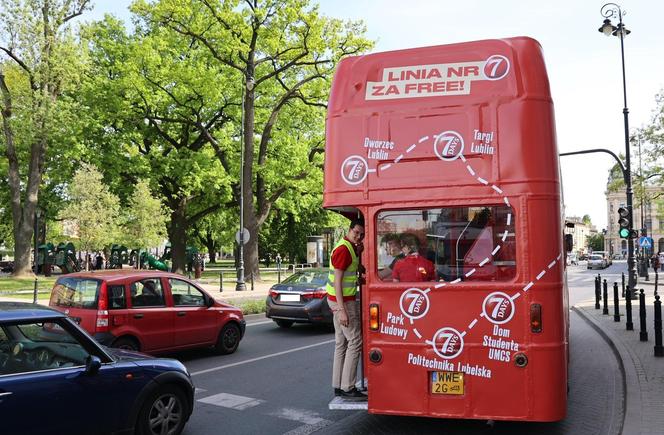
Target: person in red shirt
column 414, row 267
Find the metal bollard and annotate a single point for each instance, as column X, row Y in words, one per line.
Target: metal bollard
column 221, row 282
column 616, row 303
column 659, row 349
column 598, row 297
column 252, row 281
column 629, row 325
column 34, row 293
column 279, row 273
column 605, row 295
column 623, row 284
column 643, row 334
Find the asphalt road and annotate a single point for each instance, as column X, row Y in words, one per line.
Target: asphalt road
column 278, row 382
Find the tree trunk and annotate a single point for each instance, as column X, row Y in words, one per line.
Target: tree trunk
column 250, row 219
column 22, row 246
column 177, row 234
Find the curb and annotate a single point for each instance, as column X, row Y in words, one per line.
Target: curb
column 631, row 405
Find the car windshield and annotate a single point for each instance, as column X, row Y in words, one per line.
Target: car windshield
column 596, row 257
column 75, row 292
column 316, row 277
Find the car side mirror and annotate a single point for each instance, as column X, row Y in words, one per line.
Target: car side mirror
column 92, row 365
column 209, row 302
column 569, row 242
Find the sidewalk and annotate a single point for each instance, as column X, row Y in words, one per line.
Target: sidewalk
column 643, row 373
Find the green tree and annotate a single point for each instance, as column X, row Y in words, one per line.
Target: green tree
column 596, row 242
column 586, row 219
column 147, row 96
column 39, row 61
column 278, row 57
column 144, row 219
column 93, row 208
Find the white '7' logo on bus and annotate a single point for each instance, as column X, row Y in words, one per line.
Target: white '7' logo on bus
column 354, row 164
column 446, row 347
column 496, row 61
column 496, row 310
column 414, row 297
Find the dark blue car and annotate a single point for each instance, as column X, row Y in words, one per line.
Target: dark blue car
column 55, row 379
column 300, row 298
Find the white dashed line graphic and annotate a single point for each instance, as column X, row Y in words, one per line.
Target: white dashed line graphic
column 447, row 342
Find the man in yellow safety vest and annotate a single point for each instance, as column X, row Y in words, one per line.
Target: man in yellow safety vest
column 341, row 297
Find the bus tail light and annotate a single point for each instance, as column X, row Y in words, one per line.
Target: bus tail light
column 536, row 317
column 373, row 317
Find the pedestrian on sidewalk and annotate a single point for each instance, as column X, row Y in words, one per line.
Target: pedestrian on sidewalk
column 341, row 297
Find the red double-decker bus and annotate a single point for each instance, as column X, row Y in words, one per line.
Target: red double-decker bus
column 455, row 146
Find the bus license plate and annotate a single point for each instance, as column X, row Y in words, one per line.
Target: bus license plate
column 447, row 382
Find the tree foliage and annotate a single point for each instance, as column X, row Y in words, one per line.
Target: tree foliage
column 144, row 219
column 277, row 58
column 93, row 209
column 39, row 62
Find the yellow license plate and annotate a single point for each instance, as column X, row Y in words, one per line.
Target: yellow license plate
column 447, row 382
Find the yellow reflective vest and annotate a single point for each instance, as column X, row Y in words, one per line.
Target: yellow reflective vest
column 349, row 284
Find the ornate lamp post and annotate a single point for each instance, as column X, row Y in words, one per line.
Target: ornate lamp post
column 609, row 11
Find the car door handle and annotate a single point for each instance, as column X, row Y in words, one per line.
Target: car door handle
column 138, row 316
column 181, row 314
column 8, row 393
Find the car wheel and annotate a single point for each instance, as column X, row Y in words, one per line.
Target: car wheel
column 126, row 343
column 284, row 323
column 228, row 340
column 163, row 413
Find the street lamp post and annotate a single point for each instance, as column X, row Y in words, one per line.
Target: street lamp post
column 608, row 11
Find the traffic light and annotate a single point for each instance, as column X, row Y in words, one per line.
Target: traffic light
column 625, row 231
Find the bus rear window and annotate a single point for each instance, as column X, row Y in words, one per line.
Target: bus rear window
column 463, row 243
column 75, row 293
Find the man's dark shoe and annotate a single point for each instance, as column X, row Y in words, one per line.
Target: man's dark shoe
column 353, row 394
column 338, row 391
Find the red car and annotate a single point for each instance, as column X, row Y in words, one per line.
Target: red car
column 147, row 311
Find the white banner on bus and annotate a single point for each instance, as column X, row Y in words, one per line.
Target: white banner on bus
column 436, row 79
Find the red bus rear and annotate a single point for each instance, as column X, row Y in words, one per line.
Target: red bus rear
column 455, row 145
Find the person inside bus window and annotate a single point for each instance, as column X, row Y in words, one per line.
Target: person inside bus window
column 394, row 250
column 413, row 267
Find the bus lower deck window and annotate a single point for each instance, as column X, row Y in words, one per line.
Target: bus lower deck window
column 474, row 243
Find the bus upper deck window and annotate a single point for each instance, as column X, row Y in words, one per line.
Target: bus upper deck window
column 468, row 243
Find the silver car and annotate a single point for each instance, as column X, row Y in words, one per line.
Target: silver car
column 596, row 261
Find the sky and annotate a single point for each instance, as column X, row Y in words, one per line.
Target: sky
column 584, row 66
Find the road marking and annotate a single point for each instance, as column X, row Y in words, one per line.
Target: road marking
column 302, row 415
column 260, row 323
column 225, row 400
column 309, row 428
column 272, row 355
